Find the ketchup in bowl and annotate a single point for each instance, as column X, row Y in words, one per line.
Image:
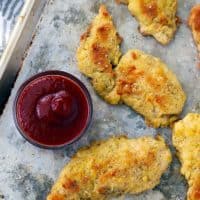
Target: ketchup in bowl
column 52, row 109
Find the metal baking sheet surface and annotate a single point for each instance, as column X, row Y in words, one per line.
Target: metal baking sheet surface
column 28, row 172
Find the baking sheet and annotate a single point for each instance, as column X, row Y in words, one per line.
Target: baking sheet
column 19, row 41
column 28, row 172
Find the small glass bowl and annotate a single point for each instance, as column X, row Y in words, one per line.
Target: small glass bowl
column 73, row 80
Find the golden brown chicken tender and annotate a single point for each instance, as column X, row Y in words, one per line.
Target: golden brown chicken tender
column 111, row 168
column 141, row 81
column 99, row 51
column 146, row 84
column 194, row 23
column 156, row 17
column 186, row 139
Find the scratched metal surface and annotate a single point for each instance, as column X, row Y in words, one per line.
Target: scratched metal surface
column 28, row 172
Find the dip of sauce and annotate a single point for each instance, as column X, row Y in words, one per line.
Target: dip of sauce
column 52, row 109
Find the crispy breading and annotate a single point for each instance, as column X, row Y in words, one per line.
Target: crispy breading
column 146, row 85
column 186, row 139
column 194, row 23
column 111, row 168
column 99, row 51
column 141, row 81
column 155, row 17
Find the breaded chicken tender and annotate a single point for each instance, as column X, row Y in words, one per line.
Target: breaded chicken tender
column 141, row 81
column 194, row 23
column 99, row 51
column 146, row 85
column 186, row 139
column 155, row 17
column 111, row 168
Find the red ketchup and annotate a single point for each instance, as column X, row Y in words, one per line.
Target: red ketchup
column 52, row 109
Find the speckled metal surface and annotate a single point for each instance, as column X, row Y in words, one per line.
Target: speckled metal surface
column 28, row 172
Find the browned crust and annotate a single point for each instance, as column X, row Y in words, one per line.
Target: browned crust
column 194, row 18
column 100, row 58
column 57, row 197
column 127, row 79
column 71, row 185
column 104, row 11
column 194, row 191
column 194, row 24
column 151, row 10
